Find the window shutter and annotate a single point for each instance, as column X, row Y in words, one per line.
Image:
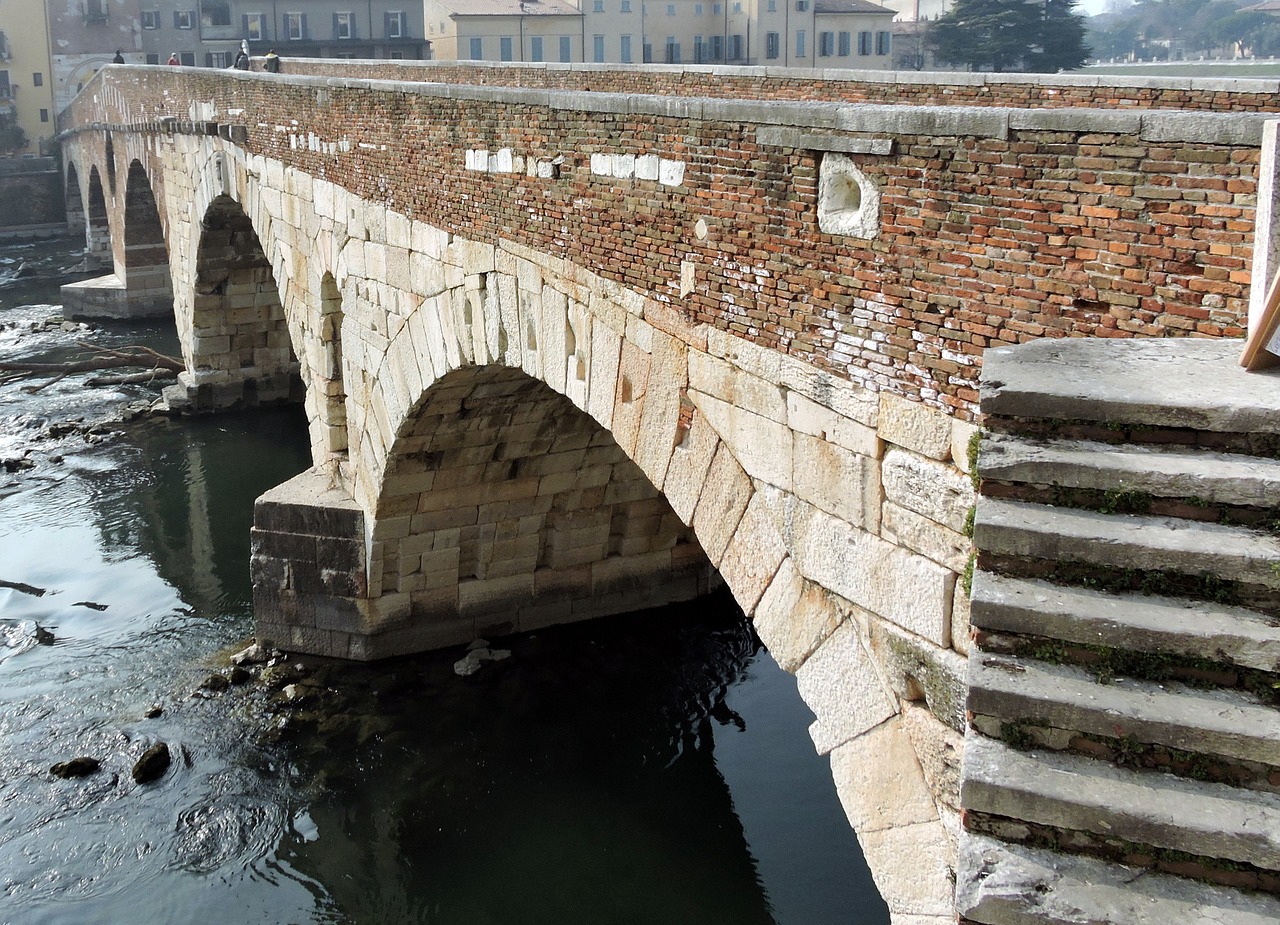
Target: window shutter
column 244, row 25
column 302, row 25
column 386, row 24
column 335, row 25
column 176, row 21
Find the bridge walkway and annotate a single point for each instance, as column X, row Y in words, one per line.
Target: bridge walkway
column 1122, row 756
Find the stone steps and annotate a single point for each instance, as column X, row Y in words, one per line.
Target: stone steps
column 1208, row 477
column 1145, row 623
column 1004, row 884
column 1226, row 724
column 1070, row 794
column 1144, row 543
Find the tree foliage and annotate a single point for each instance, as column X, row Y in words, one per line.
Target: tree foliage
column 1157, row 29
column 1011, row 35
column 12, row 137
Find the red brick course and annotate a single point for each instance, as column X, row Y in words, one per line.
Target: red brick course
column 983, row 240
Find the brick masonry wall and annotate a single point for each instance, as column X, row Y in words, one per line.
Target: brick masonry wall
column 997, row 225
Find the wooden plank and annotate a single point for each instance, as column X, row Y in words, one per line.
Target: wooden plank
column 1258, row 349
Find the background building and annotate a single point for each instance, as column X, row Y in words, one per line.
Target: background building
column 26, row 92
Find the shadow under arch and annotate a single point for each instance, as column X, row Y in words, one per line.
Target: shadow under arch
column 238, row 349
column 77, row 222
column 507, row 509
column 146, row 255
column 98, row 228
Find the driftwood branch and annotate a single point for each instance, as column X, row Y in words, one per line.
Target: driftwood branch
column 100, row 358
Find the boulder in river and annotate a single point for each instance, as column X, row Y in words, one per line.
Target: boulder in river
column 76, row 767
column 152, row 765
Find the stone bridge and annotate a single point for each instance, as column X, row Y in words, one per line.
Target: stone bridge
column 576, row 341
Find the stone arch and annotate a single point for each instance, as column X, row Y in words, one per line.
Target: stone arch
column 146, row 256
column 98, row 226
column 238, row 348
column 77, row 222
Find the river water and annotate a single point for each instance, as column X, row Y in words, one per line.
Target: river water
column 653, row 768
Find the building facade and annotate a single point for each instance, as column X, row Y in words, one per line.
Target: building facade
column 26, row 91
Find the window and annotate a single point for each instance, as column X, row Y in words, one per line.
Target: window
column 647, row 53
column 864, row 43
column 477, row 48
column 717, row 47
column 295, row 26
column 673, row 50
column 735, row 48
column 802, row 6
column 626, row 49
column 44, row 115
column 535, row 48
column 597, row 49
column 626, row 6
column 566, row 48
column 217, row 59
column 394, row 21
column 504, row 48
column 187, row 59
column 255, row 26
column 883, row 42
column 800, row 43
column 697, row 9
column 843, row 45
column 397, row 55
column 671, row 9
column 344, row 25
column 771, row 45
column 598, row 6
column 772, row 6
column 737, row 7
column 699, row 50
column 96, row 11
column 215, row 13
column 183, row 19
column 715, row 9
column 37, row 79
column 153, row 58
column 151, row 19
column 826, row 44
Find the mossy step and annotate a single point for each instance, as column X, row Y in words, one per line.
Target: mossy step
column 1219, row 723
column 1071, row 793
column 1002, row 884
column 1202, row 476
column 1136, row 622
column 1144, row 543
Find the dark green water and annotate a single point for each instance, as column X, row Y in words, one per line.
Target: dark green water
column 645, row 769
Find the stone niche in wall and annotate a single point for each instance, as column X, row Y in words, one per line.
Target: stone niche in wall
column 848, row 202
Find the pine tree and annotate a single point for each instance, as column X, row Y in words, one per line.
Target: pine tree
column 1011, row 35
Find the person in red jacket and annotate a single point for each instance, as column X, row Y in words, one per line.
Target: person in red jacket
column 173, row 58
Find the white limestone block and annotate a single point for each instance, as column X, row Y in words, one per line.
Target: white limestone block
column 840, row 685
column 555, row 333
column 646, row 167
column 762, row 446
column 915, row 425
column 837, row 481
column 399, row 230
column 602, row 164
column 668, row 376
column 961, row 434
column 578, row 350
column 687, row 470
column 504, row 162
column 930, row 488
column 829, row 391
column 793, row 617
column 753, row 555
column 912, row 868
column 918, row 533
column 670, row 173
column 721, row 379
column 724, row 497
column 879, row 780
column 762, row 362
column 606, row 349
column 901, row 586
column 623, row 166
column 939, row 749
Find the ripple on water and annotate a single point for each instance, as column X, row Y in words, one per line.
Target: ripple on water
column 230, row 833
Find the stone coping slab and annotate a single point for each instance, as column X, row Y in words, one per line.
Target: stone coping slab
column 1180, row 383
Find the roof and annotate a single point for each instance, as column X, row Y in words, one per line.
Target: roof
column 862, row 6
column 511, row 7
column 1266, row 6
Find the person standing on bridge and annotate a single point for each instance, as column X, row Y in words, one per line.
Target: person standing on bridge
column 119, row 58
column 173, row 58
column 272, row 62
column 242, row 61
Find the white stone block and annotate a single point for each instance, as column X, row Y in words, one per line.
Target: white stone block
column 962, row 433
column 929, row 538
column 724, row 497
column 762, row 446
column 646, row 167
column 915, row 425
column 879, row 780
column 504, row 162
column 687, row 470
column 668, row 376
column 623, row 165
column 721, row 379
column 837, row 481
column 606, row 348
column 753, row 556
column 912, row 868
column 842, row 688
column 670, row 173
column 602, row 164
column 930, row 488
